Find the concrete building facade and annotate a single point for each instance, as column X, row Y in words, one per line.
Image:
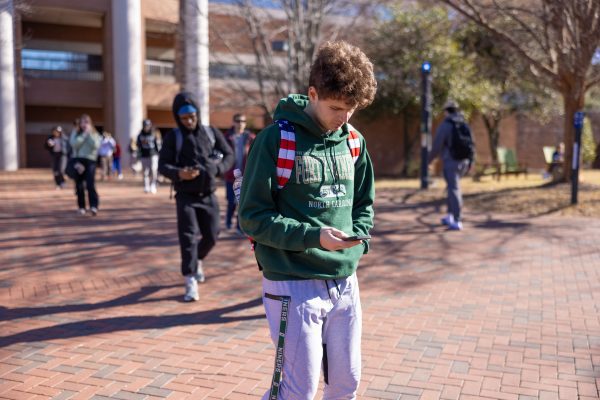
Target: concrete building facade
column 112, row 59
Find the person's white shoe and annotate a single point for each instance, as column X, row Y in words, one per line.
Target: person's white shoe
column 146, row 189
column 81, row 211
column 191, row 289
column 448, row 220
column 153, row 189
column 94, row 211
column 200, row 278
column 455, row 226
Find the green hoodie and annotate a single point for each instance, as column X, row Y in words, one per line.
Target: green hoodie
column 286, row 223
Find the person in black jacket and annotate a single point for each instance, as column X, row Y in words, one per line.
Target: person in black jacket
column 58, row 146
column 192, row 155
column 148, row 144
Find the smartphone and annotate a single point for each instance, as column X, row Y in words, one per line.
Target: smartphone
column 357, row 237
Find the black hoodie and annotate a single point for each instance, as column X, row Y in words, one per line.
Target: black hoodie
column 147, row 143
column 195, row 153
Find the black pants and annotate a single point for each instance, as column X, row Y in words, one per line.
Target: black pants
column 196, row 215
column 87, row 180
column 59, row 162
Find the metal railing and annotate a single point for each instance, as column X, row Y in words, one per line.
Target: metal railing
column 160, row 71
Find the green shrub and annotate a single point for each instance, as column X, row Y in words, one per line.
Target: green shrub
column 588, row 146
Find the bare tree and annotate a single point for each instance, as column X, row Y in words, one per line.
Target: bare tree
column 300, row 26
column 556, row 38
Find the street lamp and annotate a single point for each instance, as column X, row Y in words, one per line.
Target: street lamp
column 578, row 122
column 425, row 122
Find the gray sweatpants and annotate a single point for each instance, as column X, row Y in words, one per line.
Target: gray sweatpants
column 324, row 326
column 453, row 171
column 150, row 168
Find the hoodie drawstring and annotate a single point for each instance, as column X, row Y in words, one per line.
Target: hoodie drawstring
column 333, row 168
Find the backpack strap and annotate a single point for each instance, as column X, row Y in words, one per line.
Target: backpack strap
column 353, row 144
column 287, row 152
column 211, row 134
column 179, row 139
column 287, row 149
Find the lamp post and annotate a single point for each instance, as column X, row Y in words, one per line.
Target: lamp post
column 578, row 122
column 425, row 123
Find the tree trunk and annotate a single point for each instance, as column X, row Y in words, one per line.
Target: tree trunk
column 407, row 155
column 573, row 101
column 492, row 124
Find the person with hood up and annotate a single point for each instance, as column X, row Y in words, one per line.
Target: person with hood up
column 148, row 146
column 312, row 230
column 192, row 155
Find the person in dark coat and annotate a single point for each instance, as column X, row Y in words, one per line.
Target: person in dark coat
column 57, row 145
column 192, row 156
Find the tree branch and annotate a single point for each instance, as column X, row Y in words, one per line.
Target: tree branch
column 476, row 16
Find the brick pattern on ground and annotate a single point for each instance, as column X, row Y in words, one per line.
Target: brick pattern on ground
column 90, row 308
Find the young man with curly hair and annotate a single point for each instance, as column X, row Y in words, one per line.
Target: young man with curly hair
column 307, row 202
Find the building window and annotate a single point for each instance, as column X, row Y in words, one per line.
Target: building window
column 279, row 45
column 234, row 71
column 53, row 64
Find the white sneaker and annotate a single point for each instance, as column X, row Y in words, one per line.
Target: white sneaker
column 94, row 211
column 455, row 226
column 191, row 289
column 153, row 189
column 146, row 189
column 200, row 278
column 448, row 220
column 81, row 211
column 120, row 177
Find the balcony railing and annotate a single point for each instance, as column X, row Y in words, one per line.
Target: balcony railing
column 160, row 71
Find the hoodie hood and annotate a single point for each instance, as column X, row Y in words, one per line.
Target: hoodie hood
column 179, row 101
column 292, row 108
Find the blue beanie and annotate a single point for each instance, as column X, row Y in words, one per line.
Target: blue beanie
column 187, row 109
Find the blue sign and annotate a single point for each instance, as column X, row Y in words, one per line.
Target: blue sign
column 579, row 115
column 426, row 67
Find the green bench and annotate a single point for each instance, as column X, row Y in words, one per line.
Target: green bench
column 507, row 165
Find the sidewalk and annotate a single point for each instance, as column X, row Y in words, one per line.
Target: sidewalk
column 90, row 308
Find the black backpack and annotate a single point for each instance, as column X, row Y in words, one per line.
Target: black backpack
column 461, row 144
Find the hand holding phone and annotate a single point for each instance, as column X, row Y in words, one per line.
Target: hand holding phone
column 357, row 237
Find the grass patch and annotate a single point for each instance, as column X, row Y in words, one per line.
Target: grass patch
column 531, row 196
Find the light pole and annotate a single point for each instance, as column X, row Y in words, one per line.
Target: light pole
column 578, row 121
column 425, row 123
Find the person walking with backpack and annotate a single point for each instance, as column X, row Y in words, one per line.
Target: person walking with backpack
column 453, row 142
column 191, row 156
column 240, row 141
column 308, row 205
column 148, row 146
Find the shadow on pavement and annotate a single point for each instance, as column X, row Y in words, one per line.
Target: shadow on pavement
column 130, row 323
column 7, row 314
column 497, row 224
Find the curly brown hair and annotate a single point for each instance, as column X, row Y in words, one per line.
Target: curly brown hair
column 342, row 71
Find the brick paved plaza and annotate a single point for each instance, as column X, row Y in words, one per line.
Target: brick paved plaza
column 90, row 308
